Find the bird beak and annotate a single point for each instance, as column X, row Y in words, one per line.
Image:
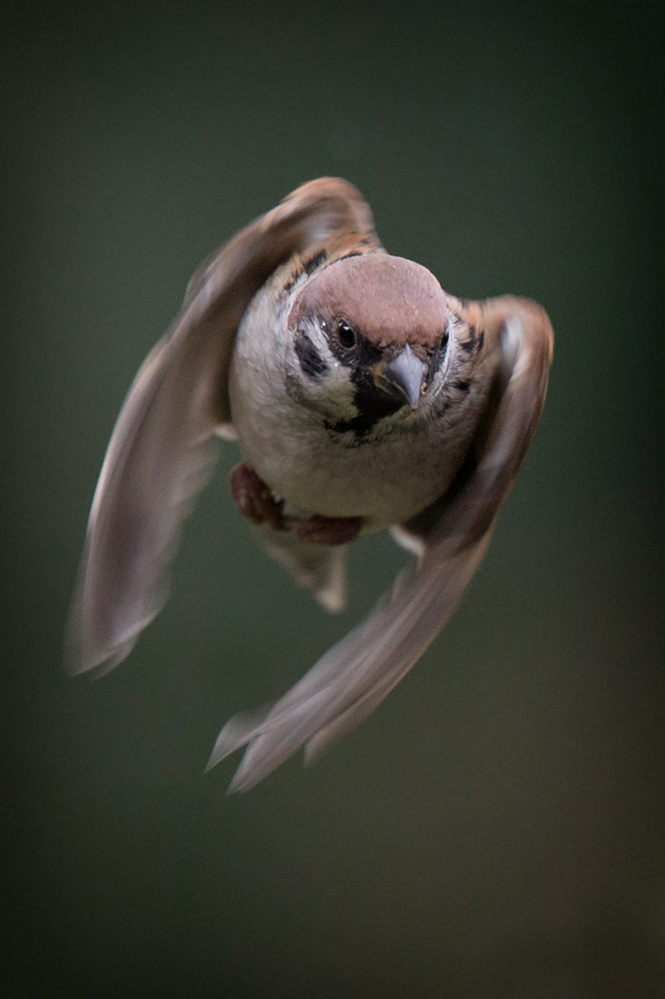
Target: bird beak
column 404, row 376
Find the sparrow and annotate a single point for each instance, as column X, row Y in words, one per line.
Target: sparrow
column 363, row 398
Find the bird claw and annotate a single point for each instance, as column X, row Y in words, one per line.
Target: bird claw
column 256, row 502
column 254, row 499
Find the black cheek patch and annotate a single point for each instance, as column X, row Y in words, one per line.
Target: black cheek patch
column 311, row 361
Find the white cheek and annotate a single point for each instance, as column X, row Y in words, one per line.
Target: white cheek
column 331, row 394
column 340, row 392
column 319, row 340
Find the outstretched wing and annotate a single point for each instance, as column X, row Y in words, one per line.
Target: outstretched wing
column 356, row 674
column 163, row 444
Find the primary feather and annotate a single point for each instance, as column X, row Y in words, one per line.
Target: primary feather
column 164, row 441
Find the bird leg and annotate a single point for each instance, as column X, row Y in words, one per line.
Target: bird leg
column 257, row 503
column 254, row 499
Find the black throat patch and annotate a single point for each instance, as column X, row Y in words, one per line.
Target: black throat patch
column 372, row 404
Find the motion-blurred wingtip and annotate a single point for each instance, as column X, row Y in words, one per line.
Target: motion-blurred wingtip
column 78, row 660
column 237, row 732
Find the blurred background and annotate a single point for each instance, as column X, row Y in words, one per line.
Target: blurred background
column 495, row 829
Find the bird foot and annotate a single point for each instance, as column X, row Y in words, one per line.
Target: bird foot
column 254, row 499
column 256, row 502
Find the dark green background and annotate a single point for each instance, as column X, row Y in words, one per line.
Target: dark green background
column 495, row 829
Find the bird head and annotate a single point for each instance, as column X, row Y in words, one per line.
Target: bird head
column 368, row 337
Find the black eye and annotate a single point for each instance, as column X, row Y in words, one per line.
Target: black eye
column 346, row 335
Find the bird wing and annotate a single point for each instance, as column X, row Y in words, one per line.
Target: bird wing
column 347, row 683
column 163, row 444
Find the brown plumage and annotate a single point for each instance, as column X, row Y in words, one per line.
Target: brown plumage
column 363, row 396
column 392, row 300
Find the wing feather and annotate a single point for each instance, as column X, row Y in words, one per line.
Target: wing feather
column 356, row 674
column 163, row 445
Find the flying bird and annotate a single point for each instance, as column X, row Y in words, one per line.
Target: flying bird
column 363, row 398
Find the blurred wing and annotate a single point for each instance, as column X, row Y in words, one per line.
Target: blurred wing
column 356, row 674
column 163, row 444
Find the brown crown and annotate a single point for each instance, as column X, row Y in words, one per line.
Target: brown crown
column 389, row 300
